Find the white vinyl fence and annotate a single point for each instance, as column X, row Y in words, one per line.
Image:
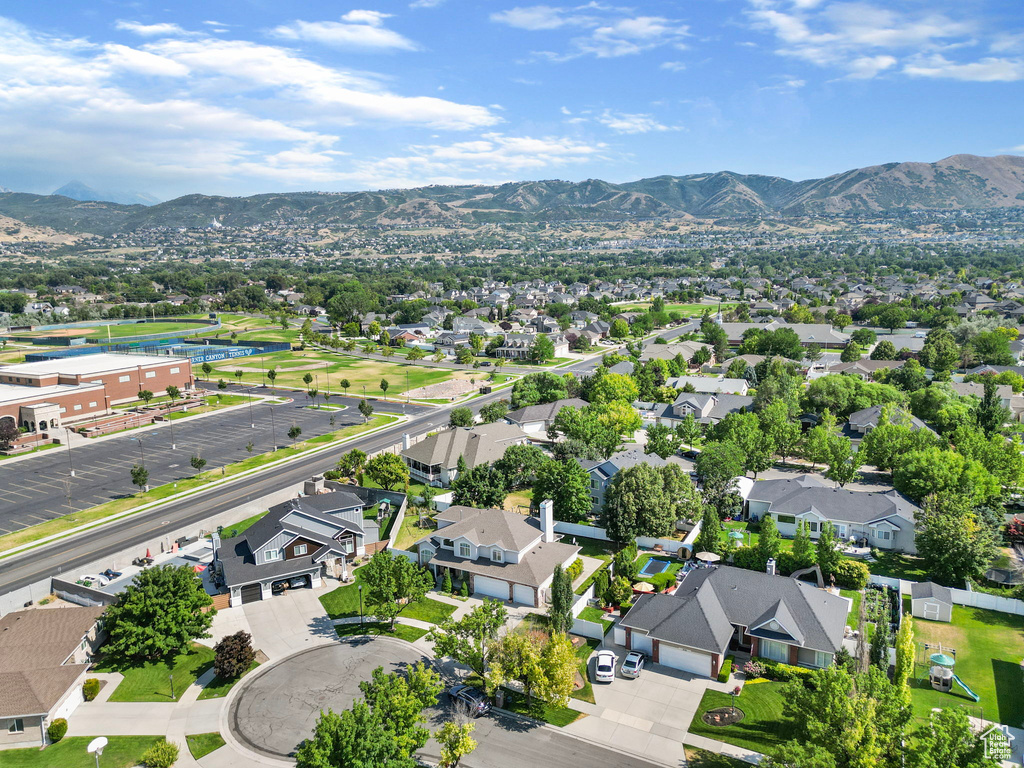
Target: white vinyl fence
column 960, row 596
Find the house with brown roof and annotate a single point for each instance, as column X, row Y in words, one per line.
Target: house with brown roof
column 44, row 655
column 435, row 459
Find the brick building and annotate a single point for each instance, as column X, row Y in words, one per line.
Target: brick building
column 48, row 394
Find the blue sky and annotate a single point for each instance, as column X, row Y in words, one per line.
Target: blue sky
column 246, row 96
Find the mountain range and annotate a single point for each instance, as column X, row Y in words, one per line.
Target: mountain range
column 77, row 190
column 957, row 182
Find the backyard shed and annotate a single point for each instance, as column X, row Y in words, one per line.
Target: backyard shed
column 932, row 601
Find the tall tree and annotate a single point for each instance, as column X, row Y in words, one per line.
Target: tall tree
column 710, row 537
column 399, row 700
column 470, row 640
column 829, row 556
column 567, row 484
column 769, row 542
column 991, row 413
column 560, row 617
column 388, row 471
column 803, row 547
column 392, row 584
column 455, row 742
column 482, row 486
column 954, row 542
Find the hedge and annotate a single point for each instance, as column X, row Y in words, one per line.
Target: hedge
column 776, row 670
column 592, row 578
column 57, row 729
column 851, row 574
column 90, row 689
column 726, row 670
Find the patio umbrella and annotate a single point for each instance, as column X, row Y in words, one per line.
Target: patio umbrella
column 736, row 535
column 942, row 660
column 708, row 557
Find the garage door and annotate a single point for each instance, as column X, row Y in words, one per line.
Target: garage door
column 252, row 593
column 620, row 635
column 694, row 662
column 639, row 642
column 523, row 594
column 490, row 587
column 70, row 704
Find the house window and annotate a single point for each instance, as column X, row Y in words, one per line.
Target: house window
column 78, row 407
column 447, row 543
column 786, row 519
column 822, row 659
column 497, row 555
column 463, row 549
column 773, row 650
column 17, row 726
column 123, row 379
column 271, row 555
column 882, row 535
column 300, row 549
column 150, row 374
column 812, row 526
column 841, row 531
column 175, row 370
column 348, row 546
column 92, row 404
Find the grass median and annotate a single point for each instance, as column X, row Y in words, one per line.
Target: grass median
column 96, row 515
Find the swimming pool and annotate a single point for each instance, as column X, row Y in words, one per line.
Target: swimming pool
column 652, row 567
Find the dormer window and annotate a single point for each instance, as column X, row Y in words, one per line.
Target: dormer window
column 464, row 550
column 497, row 555
column 272, row 554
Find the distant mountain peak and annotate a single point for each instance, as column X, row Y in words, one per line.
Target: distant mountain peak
column 82, row 192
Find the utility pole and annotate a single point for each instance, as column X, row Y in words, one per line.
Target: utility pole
column 252, row 421
column 273, row 429
column 71, row 466
column 170, row 425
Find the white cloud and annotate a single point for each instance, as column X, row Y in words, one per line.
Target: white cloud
column 866, row 40
column 609, row 31
column 624, row 122
column 425, row 3
column 150, row 30
column 363, row 30
column 986, row 70
column 673, row 66
column 142, row 62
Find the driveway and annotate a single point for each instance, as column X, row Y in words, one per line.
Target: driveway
column 294, row 621
column 271, row 712
column 648, row 716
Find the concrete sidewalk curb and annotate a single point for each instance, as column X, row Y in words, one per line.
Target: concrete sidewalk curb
column 396, row 419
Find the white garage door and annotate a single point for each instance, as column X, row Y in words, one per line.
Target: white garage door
column 490, row 587
column 640, row 642
column 70, row 704
column 620, row 635
column 694, row 662
column 523, row 594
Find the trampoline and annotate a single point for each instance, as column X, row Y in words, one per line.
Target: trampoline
column 652, row 567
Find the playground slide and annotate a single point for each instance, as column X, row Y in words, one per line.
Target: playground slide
column 963, row 685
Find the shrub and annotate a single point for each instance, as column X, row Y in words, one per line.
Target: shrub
column 625, row 562
column 57, row 729
column 662, row 580
column 575, row 570
column 851, row 574
column 234, row 656
column 775, row 670
column 465, row 588
column 726, row 670
column 620, row 591
column 753, row 669
column 749, row 558
column 602, row 574
column 163, row 754
column 90, row 689
column 446, row 585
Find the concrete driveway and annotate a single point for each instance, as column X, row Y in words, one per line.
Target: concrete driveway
column 294, row 621
column 649, row 716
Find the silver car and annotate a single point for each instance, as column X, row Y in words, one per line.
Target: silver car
column 633, row 664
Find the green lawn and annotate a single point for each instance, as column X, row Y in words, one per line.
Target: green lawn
column 701, row 758
column 429, row 610
column 853, row 616
column 602, row 550
column 989, row 647
column 539, row 710
column 749, row 534
column 239, row 528
column 898, row 566
column 674, row 564
column 401, row 631
column 586, row 693
column 120, row 752
column 763, row 727
column 410, row 532
column 202, row 744
column 151, row 681
column 590, row 613
column 218, row 688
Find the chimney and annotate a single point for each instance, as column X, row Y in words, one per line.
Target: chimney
column 547, row 520
column 406, row 441
column 770, row 569
column 313, row 486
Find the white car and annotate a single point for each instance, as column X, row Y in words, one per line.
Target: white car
column 632, row 664
column 604, row 668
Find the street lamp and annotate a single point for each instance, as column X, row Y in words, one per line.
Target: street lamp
column 170, row 424
column 71, row 466
column 171, row 676
column 142, row 453
column 252, row 421
column 360, row 604
column 273, row 429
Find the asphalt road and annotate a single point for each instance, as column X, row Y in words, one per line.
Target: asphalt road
column 40, row 488
column 72, row 554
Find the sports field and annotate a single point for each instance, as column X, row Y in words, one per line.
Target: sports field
column 121, row 331
column 329, row 369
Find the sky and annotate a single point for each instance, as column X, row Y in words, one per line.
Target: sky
column 240, row 97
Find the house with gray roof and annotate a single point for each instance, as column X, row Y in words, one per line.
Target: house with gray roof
column 713, row 384
column 435, row 459
column 884, row 520
column 536, row 419
column 704, row 407
column 603, row 471
column 302, row 540
column 500, row 554
column 718, row 610
column 865, row 420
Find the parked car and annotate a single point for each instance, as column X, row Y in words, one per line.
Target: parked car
column 471, row 700
column 486, row 364
column 633, row 664
column 604, row 671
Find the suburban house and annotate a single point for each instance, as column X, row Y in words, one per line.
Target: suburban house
column 302, row 540
column 603, row 471
column 867, row 419
column 865, row 369
column 705, row 408
column 44, row 656
column 504, row 555
column 718, row 610
column 673, row 349
column 932, row 601
column 712, row 384
column 536, row 419
column 435, row 459
column 877, row 519
column 518, row 346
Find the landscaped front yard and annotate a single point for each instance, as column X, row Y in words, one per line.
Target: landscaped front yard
column 151, row 681
column 989, row 647
column 401, row 631
column 202, row 744
column 69, row 752
column 343, row 602
column 763, row 728
column 220, row 688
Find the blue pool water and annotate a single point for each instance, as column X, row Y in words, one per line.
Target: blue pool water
column 653, row 566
